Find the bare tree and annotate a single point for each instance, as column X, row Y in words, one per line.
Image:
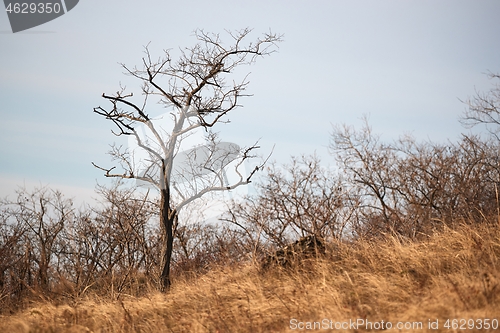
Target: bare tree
column 196, row 92
column 409, row 188
column 368, row 164
column 108, row 248
column 36, row 220
column 11, row 248
column 294, row 200
column 484, row 108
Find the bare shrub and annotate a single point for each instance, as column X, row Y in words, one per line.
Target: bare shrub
column 296, row 200
column 110, row 247
column 11, row 262
column 411, row 188
column 199, row 247
column 29, row 248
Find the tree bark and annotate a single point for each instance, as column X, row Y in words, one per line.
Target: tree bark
column 167, row 219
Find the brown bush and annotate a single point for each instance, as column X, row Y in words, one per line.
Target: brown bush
column 411, row 188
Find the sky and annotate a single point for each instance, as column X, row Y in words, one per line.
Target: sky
column 405, row 64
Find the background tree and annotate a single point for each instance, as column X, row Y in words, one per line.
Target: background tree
column 196, row 92
column 292, row 201
column 410, row 188
column 30, row 229
column 484, row 108
column 111, row 247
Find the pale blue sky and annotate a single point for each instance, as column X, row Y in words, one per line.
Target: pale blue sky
column 405, row 63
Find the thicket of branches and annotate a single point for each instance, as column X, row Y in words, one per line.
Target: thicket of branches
column 405, row 188
column 48, row 248
column 411, row 188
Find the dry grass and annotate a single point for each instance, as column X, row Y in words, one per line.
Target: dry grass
column 454, row 274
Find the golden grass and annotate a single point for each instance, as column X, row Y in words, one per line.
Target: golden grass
column 454, row 274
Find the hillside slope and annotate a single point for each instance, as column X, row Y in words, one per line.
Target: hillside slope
column 369, row 286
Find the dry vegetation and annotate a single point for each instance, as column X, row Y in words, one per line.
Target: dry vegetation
column 452, row 274
column 411, row 235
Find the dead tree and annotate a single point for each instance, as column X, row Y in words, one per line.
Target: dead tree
column 37, row 219
column 195, row 91
column 484, row 108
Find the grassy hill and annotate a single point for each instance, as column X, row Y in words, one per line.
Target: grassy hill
column 388, row 284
